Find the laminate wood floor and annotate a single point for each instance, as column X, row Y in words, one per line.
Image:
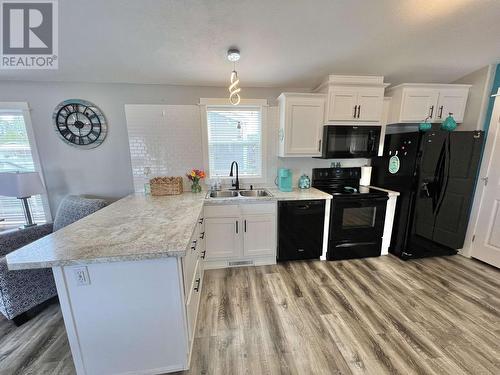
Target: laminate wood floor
column 370, row 316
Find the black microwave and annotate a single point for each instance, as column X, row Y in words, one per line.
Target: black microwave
column 345, row 141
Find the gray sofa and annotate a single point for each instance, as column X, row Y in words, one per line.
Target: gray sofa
column 22, row 290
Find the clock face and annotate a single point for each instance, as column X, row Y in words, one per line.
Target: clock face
column 80, row 123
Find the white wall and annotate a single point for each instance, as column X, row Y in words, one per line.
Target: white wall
column 477, row 103
column 106, row 170
column 167, row 139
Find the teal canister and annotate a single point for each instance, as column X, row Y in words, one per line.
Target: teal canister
column 284, row 179
column 304, row 182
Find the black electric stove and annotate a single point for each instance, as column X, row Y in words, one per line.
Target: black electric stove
column 357, row 214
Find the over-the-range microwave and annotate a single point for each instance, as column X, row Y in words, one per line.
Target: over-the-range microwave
column 345, row 141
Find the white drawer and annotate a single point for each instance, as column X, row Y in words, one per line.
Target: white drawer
column 258, row 208
column 193, row 300
column 189, row 263
column 222, row 210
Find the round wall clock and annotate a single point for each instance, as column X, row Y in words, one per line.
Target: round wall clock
column 80, row 123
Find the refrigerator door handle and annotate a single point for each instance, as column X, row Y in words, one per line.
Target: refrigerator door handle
column 425, row 187
column 446, row 175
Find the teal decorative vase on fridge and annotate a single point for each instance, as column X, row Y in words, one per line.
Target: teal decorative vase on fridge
column 449, row 123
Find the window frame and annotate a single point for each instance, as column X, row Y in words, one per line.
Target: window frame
column 24, row 109
column 247, row 103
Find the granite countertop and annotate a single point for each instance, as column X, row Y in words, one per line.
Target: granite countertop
column 134, row 228
column 276, row 195
column 391, row 193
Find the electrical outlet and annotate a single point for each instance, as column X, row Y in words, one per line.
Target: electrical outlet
column 81, row 276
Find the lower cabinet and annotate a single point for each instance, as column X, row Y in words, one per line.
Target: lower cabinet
column 222, row 237
column 259, row 235
column 243, row 234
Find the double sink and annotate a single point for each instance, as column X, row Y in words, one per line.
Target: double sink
column 254, row 193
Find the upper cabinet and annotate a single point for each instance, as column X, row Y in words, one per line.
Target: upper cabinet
column 301, row 124
column 353, row 99
column 413, row 103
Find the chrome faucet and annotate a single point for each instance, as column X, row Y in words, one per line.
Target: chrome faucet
column 235, row 184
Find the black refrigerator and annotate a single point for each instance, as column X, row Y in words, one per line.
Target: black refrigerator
column 435, row 172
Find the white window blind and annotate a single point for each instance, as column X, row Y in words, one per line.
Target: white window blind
column 15, row 155
column 234, row 134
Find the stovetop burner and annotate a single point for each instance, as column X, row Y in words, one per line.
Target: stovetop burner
column 342, row 182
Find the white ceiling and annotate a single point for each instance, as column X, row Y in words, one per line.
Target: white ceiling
column 283, row 43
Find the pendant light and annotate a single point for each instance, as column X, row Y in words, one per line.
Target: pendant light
column 233, row 55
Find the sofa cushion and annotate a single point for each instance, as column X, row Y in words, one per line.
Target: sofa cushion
column 73, row 208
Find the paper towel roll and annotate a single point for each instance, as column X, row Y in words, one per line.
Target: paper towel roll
column 366, row 174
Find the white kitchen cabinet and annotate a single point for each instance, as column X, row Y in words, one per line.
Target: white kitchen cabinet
column 413, row 103
column 360, row 104
column 370, row 104
column 452, row 101
column 246, row 237
column 301, row 124
column 259, row 235
column 418, row 104
column 353, row 99
column 342, row 104
column 222, row 237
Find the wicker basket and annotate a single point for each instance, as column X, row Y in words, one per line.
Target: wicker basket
column 166, row 186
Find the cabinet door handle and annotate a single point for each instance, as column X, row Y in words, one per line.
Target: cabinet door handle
column 359, row 110
column 197, row 287
column 236, row 226
column 319, row 145
column 193, row 246
column 431, row 111
column 245, row 225
column 440, row 112
column 355, row 109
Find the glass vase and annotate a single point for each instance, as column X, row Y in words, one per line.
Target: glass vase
column 196, row 187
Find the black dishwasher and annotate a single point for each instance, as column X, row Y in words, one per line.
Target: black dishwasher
column 300, row 229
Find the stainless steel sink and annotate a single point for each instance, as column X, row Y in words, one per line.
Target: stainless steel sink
column 223, row 194
column 255, row 193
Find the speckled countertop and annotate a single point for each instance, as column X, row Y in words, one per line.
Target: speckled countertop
column 390, row 193
column 276, row 195
column 133, row 228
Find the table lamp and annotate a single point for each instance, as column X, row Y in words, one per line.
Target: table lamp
column 22, row 185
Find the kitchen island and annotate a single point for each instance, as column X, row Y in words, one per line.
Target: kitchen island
column 129, row 279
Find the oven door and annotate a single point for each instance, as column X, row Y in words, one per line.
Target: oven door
column 357, row 219
column 350, row 141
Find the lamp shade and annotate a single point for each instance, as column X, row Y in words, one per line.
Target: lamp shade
column 20, row 185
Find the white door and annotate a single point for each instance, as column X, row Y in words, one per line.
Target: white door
column 259, row 235
column 341, row 104
column 451, row 101
column 486, row 245
column 304, row 126
column 418, row 104
column 222, row 237
column 370, row 104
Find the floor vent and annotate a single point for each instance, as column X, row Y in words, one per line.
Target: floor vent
column 240, row 263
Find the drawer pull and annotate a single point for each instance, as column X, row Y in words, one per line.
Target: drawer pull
column 193, row 246
column 197, row 287
column 204, row 252
column 202, row 235
column 201, row 221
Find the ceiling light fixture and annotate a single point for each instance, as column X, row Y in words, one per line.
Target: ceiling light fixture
column 233, row 55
